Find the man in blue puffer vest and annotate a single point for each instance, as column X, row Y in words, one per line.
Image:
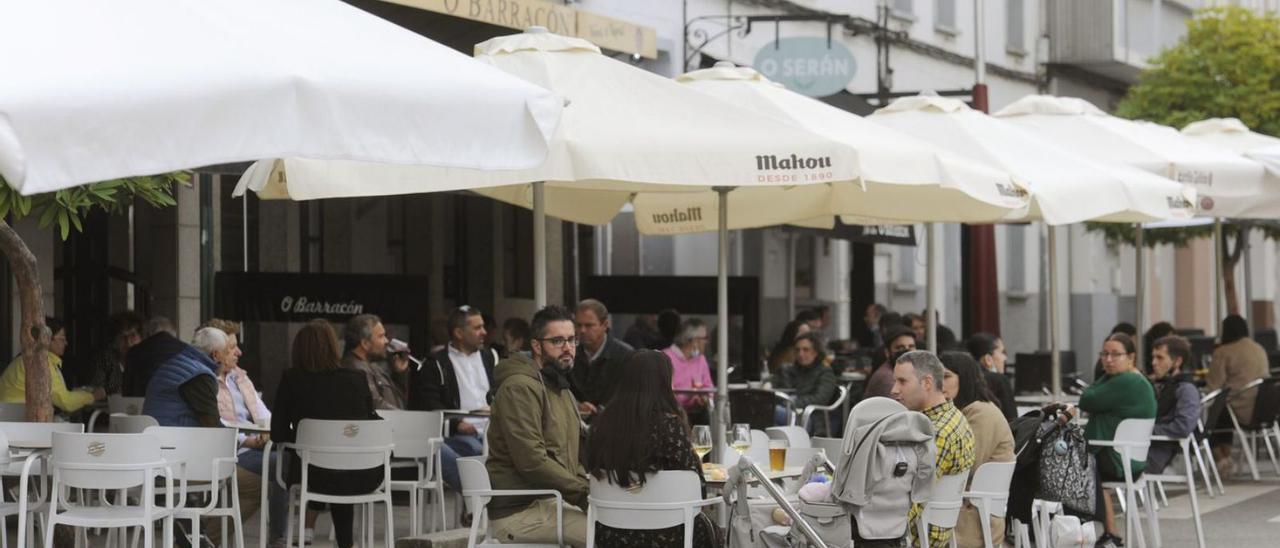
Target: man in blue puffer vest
column 183, row 391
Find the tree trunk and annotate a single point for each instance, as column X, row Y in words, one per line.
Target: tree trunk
column 1231, row 259
column 34, row 334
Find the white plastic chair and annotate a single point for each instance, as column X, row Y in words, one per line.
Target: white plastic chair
column 112, row 462
column 989, row 493
column 833, row 447
column 1248, row 440
column 669, row 498
column 131, row 424
column 417, row 437
column 795, row 436
column 25, row 507
column 943, row 508
column 477, row 488
column 1212, row 406
column 117, row 405
column 1132, row 440
column 1188, row 478
column 210, row 458
column 837, row 405
column 342, row 445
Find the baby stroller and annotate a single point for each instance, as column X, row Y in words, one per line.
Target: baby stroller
column 885, row 464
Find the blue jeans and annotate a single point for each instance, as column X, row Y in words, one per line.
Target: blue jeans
column 277, row 503
column 455, row 447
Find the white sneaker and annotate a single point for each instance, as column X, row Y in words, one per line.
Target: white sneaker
column 310, row 537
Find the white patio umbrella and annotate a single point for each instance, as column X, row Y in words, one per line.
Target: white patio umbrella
column 100, row 90
column 1065, row 187
column 1233, row 135
column 1224, row 181
column 904, row 179
column 626, row 132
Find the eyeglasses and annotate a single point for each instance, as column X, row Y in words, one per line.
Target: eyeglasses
column 561, row 341
column 1104, row 356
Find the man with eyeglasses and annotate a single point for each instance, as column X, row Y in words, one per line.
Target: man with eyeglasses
column 598, row 356
column 535, row 436
column 458, row 377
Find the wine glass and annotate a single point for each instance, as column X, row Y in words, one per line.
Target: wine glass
column 740, row 439
column 701, row 440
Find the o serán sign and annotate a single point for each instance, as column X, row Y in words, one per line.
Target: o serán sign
column 810, row 65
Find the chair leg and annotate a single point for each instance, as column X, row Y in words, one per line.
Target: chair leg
column 1213, row 465
column 1153, row 520
column 302, row 519
column 1204, row 470
column 1164, row 497
column 389, row 524
column 1265, row 434
column 148, row 536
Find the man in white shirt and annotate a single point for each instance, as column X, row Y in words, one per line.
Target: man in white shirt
column 458, row 377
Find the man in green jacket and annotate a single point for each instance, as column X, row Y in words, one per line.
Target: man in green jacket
column 534, row 438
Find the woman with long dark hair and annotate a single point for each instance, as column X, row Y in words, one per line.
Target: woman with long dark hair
column 964, row 385
column 1236, row 362
column 990, row 354
column 641, row 431
column 783, row 353
column 317, row 387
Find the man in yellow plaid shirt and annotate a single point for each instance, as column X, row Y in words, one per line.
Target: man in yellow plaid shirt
column 917, row 384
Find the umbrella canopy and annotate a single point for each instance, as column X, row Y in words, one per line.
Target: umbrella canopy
column 1233, row 135
column 904, row 179
column 625, row 131
column 1065, row 187
column 100, row 90
column 1226, row 183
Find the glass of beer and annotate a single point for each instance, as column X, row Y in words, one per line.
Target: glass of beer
column 777, row 455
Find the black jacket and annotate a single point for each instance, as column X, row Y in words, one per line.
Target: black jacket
column 144, row 358
column 338, row 394
column 592, row 381
column 434, row 384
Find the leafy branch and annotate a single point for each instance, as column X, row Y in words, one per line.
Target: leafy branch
column 66, row 208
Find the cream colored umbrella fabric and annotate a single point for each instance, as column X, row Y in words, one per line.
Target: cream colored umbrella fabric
column 625, row 131
column 1065, row 187
column 903, row 179
column 1226, row 183
column 100, row 90
column 1233, row 135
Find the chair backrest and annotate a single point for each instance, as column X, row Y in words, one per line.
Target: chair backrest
column 474, row 478
column 411, row 430
column 795, row 436
column 610, row 502
column 117, row 404
column 13, row 412
column 198, row 447
column 71, row 450
column 944, row 501
column 991, row 481
column 1213, row 404
column 131, row 424
column 753, row 406
column 4, row 449
column 1267, row 406
column 40, row 432
column 316, row 436
column 833, row 446
column 1136, row 435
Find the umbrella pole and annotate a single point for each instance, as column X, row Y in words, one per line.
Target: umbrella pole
column 931, row 292
column 720, row 415
column 1219, row 291
column 1055, row 359
column 1140, row 289
column 539, row 247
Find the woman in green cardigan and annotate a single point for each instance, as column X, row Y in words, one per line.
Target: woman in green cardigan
column 1122, row 393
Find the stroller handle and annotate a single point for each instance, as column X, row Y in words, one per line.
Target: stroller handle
column 746, row 464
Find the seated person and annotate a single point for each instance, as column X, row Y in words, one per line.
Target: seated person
column 1122, row 393
column 13, row 383
column 238, row 402
column 184, row 389
column 1237, row 361
column 1177, row 399
column 160, row 342
column 534, row 438
column 813, row 382
column 318, row 387
column 965, row 386
column 643, row 430
column 599, row 357
column 989, row 350
column 918, row 385
column 458, row 377
column 690, row 370
column 899, row 340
